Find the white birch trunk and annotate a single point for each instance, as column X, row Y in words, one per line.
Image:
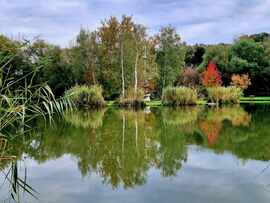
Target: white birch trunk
column 136, row 73
column 123, row 131
column 122, row 68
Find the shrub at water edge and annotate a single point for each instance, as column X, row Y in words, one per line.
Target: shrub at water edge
column 132, row 99
column 177, row 96
column 225, row 95
column 86, row 96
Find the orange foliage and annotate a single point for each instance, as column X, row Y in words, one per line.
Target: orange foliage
column 211, row 77
column 243, row 120
column 211, row 129
column 242, row 81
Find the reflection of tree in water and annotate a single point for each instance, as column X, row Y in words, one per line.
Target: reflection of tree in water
column 212, row 124
column 130, row 148
column 171, row 152
column 127, row 143
column 235, row 114
column 211, row 129
column 121, row 150
column 85, row 119
column 181, row 116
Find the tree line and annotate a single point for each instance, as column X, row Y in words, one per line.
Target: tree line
column 119, row 56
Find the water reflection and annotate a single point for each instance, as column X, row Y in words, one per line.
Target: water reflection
column 121, row 146
column 213, row 122
column 85, row 119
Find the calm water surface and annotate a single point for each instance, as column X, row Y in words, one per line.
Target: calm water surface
column 193, row 154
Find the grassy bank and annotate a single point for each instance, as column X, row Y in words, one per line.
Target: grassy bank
column 255, row 100
column 243, row 100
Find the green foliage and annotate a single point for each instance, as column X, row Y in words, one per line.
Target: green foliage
column 55, row 70
column 170, row 57
column 8, row 46
column 97, row 57
column 250, row 55
column 225, row 95
column 260, row 37
column 177, row 96
column 46, row 61
column 253, row 58
column 218, row 54
column 86, row 96
column 84, row 55
column 194, row 55
column 119, row 55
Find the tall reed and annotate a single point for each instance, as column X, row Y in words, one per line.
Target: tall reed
column 132, row 98
column 178, row 96
column 225, row 95
column 86, row 96
column 21, row 104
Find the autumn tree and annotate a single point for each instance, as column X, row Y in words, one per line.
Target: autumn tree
column 211, row 76
column 243, row 81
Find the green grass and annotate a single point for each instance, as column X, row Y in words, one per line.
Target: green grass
column 255, row 102
column 201, row 102
column 110, row 103
column 255, row 99
column 154, row 103
column 243, row 100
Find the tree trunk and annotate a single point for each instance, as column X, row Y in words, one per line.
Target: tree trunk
column 123, row 131
column 93, row 74
column 136, row 73
column 136, row 132
column 122, row 67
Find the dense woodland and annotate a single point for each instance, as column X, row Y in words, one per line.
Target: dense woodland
column 119, row 56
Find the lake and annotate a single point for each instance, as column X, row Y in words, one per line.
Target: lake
column 191, row 154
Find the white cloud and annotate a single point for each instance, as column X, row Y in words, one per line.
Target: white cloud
column 197, row 21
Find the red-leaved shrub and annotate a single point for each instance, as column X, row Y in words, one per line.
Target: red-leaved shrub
column 211, row 76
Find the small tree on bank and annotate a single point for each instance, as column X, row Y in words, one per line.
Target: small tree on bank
column 211, row 76
column 243, row 81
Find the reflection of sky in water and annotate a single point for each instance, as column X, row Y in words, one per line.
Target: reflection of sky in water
column 205, row 177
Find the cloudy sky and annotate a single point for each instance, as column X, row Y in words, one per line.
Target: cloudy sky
column 197, row 21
